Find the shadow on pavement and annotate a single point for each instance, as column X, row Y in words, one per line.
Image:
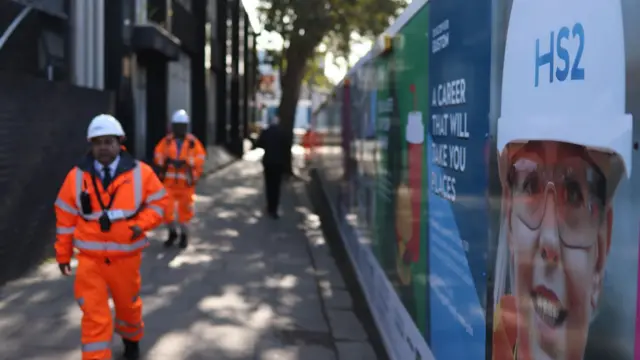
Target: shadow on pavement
column 244, row 289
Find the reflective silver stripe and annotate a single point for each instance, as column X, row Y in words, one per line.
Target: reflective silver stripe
column 201, row 156
column 156, row 196
column 62, row 230
column 126, row 333
column 191, row 161
column 109, row 246
column 172, row 175
column 65, row 207
column 137, row 186
column 96, row 214
column 157, row 209
column 96, row 346
column 129, row 334
column 79, row 175
column 127, row 324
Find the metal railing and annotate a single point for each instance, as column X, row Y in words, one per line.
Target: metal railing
column 51, row 7
column 14, row 25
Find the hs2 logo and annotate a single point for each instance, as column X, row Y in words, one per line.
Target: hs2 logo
column 563, row 65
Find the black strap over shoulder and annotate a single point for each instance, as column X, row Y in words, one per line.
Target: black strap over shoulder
column 111, row 195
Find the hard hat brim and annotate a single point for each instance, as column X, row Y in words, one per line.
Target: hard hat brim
column 121, row 136
column 609, row 163
column 613, row 136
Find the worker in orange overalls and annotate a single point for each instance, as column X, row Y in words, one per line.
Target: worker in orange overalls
column 308, row 143
column 106, row 204
column 180, row 156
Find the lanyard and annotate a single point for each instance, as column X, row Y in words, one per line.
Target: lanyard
column 111, row 195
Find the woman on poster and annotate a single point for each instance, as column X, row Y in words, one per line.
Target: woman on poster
column 564, row 143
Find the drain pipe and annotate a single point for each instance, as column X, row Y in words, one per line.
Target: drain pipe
column 14, row 24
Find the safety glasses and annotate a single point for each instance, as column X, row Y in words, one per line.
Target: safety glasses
column 577, row 186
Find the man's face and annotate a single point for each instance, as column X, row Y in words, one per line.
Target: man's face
column 105, row 148
column 559, row 223
column 179, row 130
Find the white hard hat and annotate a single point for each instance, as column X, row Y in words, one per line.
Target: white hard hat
column 180, row 117
column 576, row 93
column 103, row 125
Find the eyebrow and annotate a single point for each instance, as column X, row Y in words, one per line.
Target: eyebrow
column 565, row 148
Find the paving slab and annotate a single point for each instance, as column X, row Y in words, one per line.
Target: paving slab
column 346, row 326
column 336, row 299
column 355, row 351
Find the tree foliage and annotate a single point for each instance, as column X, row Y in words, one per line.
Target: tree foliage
column 331, row 21
column 313, row 72
column 315, row 75
column 305, row 24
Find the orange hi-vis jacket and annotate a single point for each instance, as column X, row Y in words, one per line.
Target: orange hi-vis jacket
column 311, row 139
column 136, row 196
column 192, row 152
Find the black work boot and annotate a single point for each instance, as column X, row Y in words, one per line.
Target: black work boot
column 183, row 241
column 131, row 350
column 173, row 235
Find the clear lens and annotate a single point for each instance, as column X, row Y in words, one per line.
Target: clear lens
column 576, row 186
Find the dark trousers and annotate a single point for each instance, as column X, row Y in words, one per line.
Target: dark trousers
column 272, row 184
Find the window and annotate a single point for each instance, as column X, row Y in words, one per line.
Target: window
column 51, row 55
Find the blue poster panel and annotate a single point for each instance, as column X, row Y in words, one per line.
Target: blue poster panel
column 459, row 80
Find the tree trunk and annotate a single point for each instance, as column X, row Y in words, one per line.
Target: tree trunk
column 297, row 56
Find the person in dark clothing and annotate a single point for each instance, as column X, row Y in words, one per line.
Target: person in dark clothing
column 274, row 143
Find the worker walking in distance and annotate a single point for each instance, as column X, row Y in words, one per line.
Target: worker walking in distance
column 105, row 205
column 180, row 157
column 274, row 143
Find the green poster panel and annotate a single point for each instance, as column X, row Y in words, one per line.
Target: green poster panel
column 410, row 57
column 401, row 115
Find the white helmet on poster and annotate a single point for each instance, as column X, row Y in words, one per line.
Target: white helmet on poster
column 180, row 117
column 564, row 77
column 104, row 125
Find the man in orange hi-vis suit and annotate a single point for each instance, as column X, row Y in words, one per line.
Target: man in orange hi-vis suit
column 180, row 156
column 309, row 140
column 106, row 204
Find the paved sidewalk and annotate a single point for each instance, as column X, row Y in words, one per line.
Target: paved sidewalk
column 248, row 287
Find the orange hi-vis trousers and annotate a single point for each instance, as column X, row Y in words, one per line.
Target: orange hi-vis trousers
column 181, row 205
column 95, row 280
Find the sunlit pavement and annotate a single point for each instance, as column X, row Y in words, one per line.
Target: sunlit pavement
column 248, row 287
